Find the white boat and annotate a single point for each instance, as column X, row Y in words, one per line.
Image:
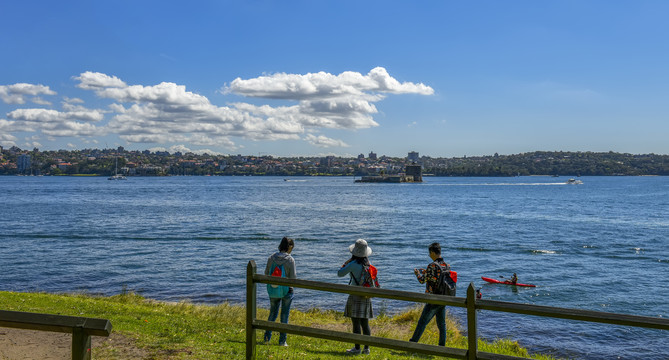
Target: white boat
column 573, row 181
column 116, row 175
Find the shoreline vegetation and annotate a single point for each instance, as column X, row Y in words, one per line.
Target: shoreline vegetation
column 96, row 162
column 183, row 330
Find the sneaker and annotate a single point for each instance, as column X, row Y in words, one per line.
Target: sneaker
column 365, row 351
column 353, row 351
column 284, row 344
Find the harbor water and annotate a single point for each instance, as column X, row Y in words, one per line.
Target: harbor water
column 601, row 245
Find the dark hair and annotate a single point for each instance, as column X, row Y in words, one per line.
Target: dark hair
column 286, row 243
column 360, row 260
column 435, row 248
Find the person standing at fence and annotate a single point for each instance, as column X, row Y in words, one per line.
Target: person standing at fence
column 281, row 263
column 430, row 277
column 358, row 308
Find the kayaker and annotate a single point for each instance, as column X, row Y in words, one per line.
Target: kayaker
column 478, row 294
column 514, row 278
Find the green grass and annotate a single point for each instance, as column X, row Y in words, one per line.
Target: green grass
column 190, row 331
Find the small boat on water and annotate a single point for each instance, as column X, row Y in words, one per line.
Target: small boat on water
column 116, row 175
column 507, row 282
column 573, row 181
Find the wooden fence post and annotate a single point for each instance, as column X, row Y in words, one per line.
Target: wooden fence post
column 472, row 337
column 250, row 311
column 81, row 344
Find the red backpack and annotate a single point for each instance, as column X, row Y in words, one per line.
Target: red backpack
column 369, row 277
column 277, row 291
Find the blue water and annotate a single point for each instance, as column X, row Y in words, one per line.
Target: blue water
column 600, row 246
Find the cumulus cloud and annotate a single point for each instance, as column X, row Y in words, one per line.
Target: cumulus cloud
column 47, row 115
column 183, row 149
column 169, row 113
column 39, row 101
column 7, row 139
column 324, row 85
column 17, row 93
column 57, row 123
column 94, row 80
column 69, row 100
column 8, row 126
column 324, row 141
column 343, row 101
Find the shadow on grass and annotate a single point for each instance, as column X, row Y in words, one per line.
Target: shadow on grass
column 413, row 355
column 332, row 353
column 237, row 341
column 393, row 353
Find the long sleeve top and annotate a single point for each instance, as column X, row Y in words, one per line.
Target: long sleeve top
column 430, row 277
column 353, row 269
column 285, row 259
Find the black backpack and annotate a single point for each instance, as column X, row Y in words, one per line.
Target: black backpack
column 447, row 281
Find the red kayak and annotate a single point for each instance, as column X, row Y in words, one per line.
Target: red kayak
column 506, row 282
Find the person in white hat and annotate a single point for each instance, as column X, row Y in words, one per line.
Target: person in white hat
column 358, row 308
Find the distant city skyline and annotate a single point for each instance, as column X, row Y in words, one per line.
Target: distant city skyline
column 338, row 78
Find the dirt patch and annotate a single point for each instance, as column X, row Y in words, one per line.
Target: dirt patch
column 20, row 344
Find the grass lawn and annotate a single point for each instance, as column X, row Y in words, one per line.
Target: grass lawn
column 192, row 331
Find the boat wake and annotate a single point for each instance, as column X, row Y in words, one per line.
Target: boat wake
column 500, row 184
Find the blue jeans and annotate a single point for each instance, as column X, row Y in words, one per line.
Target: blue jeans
column 429, row 311
column 274, row 312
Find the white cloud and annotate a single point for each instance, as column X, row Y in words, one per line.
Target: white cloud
column 168, row 113
column 17, row 93
column 183, row 149
column 39, row 101
column 56, row 123
column 165, row 93
column 343, row 101
column 324, row 142
column 324, row 85
column 7, row 139
column 95, row 80
column 71, row 146
column 46, row 115
column 8, row 126
column 72, row 100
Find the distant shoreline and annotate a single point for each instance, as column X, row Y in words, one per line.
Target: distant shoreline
column 107, row 162
column 332, row 175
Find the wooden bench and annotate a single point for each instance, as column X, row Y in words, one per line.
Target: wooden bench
column 81, row 328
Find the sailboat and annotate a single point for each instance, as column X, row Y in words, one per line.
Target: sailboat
column 116, row 175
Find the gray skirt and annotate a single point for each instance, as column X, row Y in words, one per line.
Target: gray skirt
column 359, row 307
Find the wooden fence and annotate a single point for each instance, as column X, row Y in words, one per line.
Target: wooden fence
column 470, row 303
column 81, row 328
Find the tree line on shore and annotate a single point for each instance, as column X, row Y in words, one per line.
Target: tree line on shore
column 146, row 163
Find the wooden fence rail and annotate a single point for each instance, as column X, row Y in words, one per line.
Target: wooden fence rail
column 81, row 328
column 470, row 303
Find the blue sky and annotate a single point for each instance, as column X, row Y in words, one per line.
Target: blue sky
column 287, row 78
